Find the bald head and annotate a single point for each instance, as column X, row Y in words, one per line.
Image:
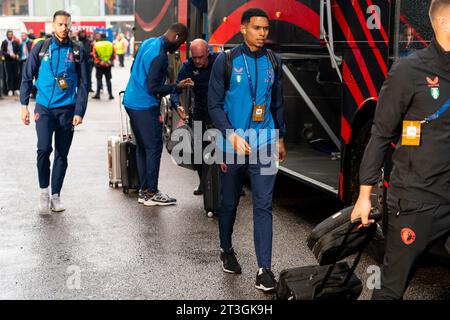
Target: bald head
column 199, row 53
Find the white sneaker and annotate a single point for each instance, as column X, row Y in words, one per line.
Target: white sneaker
column 17, row 93
column 55, row 204
column 10, row 93
column 44, row 204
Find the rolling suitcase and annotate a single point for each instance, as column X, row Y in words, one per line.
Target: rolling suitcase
column 114, row 161
column 211, row 188
column 128, row 164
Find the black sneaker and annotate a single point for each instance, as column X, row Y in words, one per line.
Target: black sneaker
column 265, row 280
column 229, row 261
column 96, row 97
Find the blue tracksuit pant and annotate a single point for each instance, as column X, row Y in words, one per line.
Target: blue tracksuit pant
column 49, row 121
column 147, row 129
column 262, row 185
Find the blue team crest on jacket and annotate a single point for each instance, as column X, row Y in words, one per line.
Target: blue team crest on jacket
column 238, row 73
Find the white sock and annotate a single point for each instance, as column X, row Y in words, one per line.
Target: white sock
column 55, row 196
column 44, row 190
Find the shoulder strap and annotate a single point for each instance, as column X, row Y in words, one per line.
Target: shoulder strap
column 42, row 52
column 76, row 58
column 228, row 69
column 273, row 61
column 76, row 51
column 44, row 48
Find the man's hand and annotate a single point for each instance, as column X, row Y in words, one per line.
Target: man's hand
column 77, row 120
column 239, row 144
column 182, row 113
column 363, row 206
column 281, row 150
column 25, row 115
column 186, row 83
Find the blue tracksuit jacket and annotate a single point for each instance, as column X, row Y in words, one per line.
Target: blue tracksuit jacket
column 232, row 109
column 60, row 56
column 147, row 84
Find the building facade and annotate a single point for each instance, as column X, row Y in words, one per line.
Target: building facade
column 87, row 14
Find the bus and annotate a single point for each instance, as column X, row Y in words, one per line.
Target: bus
column 336, row 55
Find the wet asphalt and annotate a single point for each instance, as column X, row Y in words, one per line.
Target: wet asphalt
column 107, row 246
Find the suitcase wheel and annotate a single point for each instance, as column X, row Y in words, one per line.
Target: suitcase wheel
column 210, row 214
column 113, row 185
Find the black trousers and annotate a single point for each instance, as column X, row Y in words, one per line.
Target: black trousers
column 204, row 126
column 121, row 59
column 12, row 75
column 99, row 72
column 413, row 227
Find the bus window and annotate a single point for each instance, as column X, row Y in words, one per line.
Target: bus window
column 415, row 30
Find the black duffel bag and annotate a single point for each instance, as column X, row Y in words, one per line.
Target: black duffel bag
column 326, row 239
column 334, row 239
column 337, row 282
column 183, row 157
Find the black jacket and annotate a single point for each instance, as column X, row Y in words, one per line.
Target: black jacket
column 419, row 173
column 201, row 81
column 16, row 49
column 87, row 45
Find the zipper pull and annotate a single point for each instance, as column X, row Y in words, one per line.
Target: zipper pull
column 398, row 213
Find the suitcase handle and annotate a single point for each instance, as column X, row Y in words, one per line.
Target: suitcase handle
column 127, row 132
column 331, row 268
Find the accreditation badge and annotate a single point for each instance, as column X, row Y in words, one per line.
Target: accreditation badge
column 258, row 113
column 62, row 83
column 411, row 133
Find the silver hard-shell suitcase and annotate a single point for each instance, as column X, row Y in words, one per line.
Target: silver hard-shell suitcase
column 115, row 178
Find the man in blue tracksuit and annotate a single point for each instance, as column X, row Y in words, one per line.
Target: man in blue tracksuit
column 60, row 104
column 198, row 67
column 146, row 87
column 250, row 100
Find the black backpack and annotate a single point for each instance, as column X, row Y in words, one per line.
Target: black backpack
column 229, row 66
column 76, row 55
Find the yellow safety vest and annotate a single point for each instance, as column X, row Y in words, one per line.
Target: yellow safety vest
column 120, row 46
column 104, row 50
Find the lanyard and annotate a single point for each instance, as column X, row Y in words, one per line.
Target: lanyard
column 51, row 65
column 250, row 82
column 438, row 113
